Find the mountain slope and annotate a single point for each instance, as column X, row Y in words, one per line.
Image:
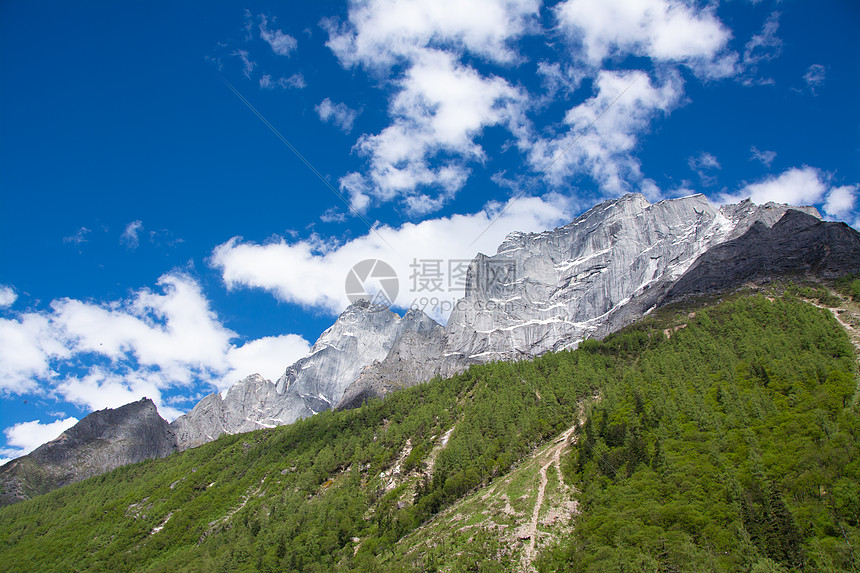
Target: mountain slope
column 592, row 276
column 363, row 334
column 718, row 403
column 798, row 244
column 102, row 441
column 551, row 290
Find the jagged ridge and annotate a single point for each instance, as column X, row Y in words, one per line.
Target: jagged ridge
column 102, row 441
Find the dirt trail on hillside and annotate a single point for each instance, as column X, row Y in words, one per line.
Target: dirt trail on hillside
column 846, row 315
column 553, row 457
column 554, row 453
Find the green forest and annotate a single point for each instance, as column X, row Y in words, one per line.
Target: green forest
column 718, row 436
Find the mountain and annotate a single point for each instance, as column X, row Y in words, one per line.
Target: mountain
column 798, row 244
column 548, row 291
column 540, row 292
column 102, row 441
column 728, row 444
column 415, row 357
column 363, row 334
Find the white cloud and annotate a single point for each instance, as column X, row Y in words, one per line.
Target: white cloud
column 381, row 33
column 606, row 150
column 794, row 187
column 27, row 346
column 765, row 157
column 296, row 81
column 558, row 78
column 765, row 45
column 106, row 355
column 173, row 330
column 762, row 47
column 268, row 356
column 24, row 437
column 814, row 76
column 440, row 105
column 8, row 296
column 840, row 201
column 664, row 30
column 105, row 387
column 282, row 44
column 78, row 238
column 703, row 160
column 306, row 273
column 704, row 164
column 247, row 65
column 333, row 215
column 339, row 114
column 800, row 186
column 129, row 236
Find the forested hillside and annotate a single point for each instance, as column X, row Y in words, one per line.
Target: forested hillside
column 717, row 438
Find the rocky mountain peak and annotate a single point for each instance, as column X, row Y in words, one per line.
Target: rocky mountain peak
column 102, row 441
column 798, row 244
column 362, row 335
column 544, row 291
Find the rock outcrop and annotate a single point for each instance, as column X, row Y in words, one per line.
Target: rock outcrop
column 362, row 335
column 416, row 357
column 102, row 441
column 547, row 291
column 799, row 244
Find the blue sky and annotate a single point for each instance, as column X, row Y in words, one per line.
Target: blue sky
column 159, row 239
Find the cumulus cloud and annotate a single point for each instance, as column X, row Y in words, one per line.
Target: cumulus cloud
column 840, row 201
column 442, row 101
column 663, row 30
column 130, row 236
column 440, row 105
column 339, row 114
column 603, row 132
column 313, row 275
column 381, row 33
column 8, row 296
column 282, row 44
column 268, row 356
column 106, row 355
column 27, row 346
column 24, row 437
column 800, row 186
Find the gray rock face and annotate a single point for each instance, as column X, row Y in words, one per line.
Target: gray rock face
column 362, row 335
column 102, row 441
column 416, row 357
column 797, row 244
column 549, row 290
